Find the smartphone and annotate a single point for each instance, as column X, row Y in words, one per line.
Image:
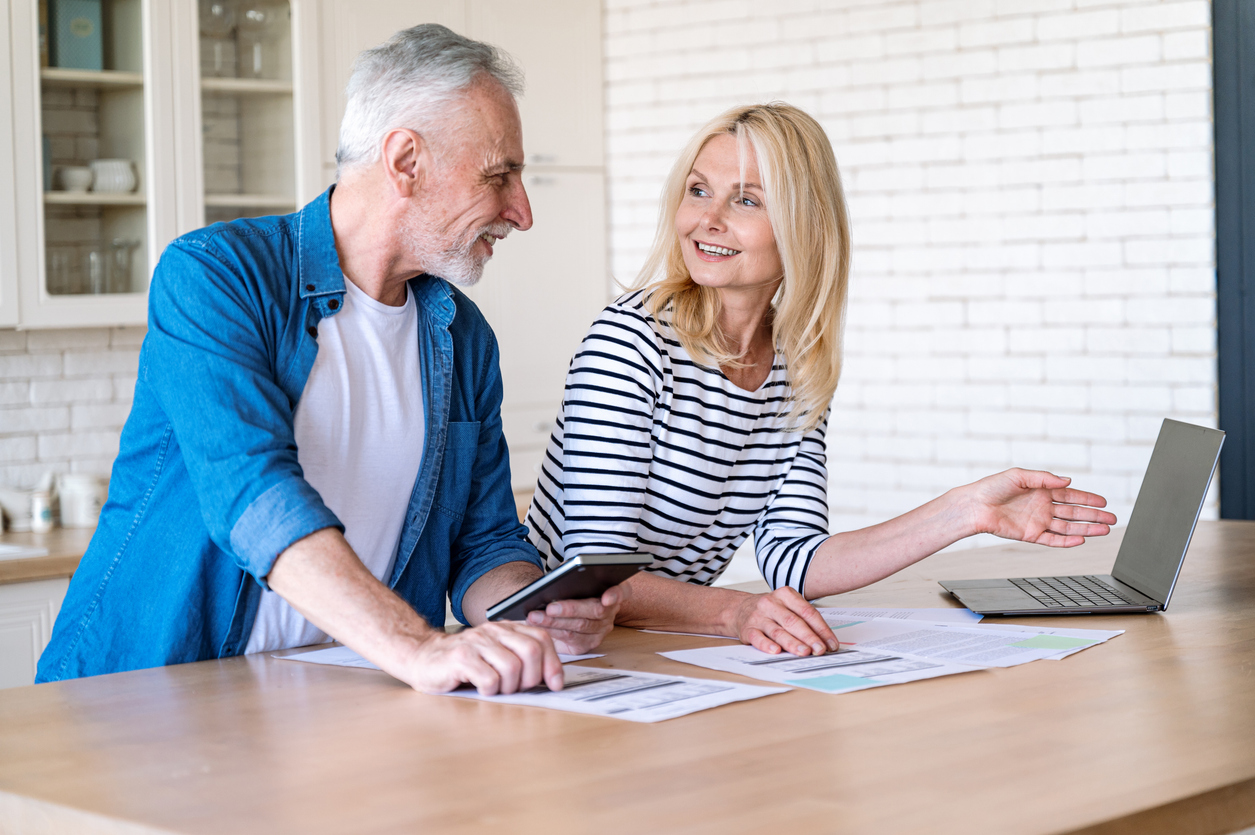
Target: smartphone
column 585, row 576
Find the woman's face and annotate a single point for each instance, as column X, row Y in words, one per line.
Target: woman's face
column 722, row 222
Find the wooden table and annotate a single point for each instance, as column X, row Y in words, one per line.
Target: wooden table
column 262, row 745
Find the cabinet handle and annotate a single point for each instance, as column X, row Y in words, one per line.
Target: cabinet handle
column 541, row 182
column 542, row 159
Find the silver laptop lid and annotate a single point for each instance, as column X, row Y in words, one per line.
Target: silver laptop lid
column 1167, row 508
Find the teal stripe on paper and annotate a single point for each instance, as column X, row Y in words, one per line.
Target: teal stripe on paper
column 832, row 684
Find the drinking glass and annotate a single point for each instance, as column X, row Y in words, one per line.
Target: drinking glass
column 63, row 270
column 217, row 23
column 96, row 271
column 120, row 268
column 259, row 21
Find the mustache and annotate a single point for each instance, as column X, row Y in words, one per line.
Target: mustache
column 497, row 230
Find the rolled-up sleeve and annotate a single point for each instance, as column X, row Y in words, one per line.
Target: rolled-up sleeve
column 209, row 355
column 795, row 522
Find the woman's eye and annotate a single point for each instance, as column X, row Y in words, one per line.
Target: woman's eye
column 697, row 191
column 748, row 201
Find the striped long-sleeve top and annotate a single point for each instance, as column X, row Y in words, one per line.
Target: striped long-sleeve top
column 653, row 453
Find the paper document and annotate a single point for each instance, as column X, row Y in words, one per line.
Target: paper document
column 836, row 672
column 948, row 614
column 882, row 651
column 345, row 657
column 21, row 552
column 634, row 696
column 977, row 645
column 1069, row 641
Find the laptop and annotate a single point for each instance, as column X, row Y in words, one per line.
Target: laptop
column 1150, row 555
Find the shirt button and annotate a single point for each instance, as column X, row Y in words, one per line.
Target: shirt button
column 333, row 304
column 313, row 331
column 309, row 287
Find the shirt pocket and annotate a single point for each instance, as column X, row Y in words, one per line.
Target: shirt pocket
column 461, row 448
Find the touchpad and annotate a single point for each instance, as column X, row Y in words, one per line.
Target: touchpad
column 1007, row 597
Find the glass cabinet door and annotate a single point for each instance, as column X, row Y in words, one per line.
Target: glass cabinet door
column 89, row 160
column 91, row 97
column 247, row 125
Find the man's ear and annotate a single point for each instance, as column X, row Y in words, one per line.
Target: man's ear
column 406, row 159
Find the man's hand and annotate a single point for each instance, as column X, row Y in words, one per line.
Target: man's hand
column 1036, row 506
column 578, row 626
column 494, row 657
column 323, row 579
column 783, row 620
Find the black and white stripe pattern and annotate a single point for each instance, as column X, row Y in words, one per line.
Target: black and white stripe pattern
column 653, row 453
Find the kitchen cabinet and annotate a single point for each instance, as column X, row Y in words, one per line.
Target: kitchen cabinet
column 543, row 287
column 112, row 157
column 8, row 207
column 27, row 612
column 541, row 291
column 249, row 125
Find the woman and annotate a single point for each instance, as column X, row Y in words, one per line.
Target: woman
column 696, row 407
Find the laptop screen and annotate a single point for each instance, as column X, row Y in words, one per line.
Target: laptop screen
column 1167, row 507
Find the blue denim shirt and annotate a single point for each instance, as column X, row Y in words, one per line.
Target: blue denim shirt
column 207, row 490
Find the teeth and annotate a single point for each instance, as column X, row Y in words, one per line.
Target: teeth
column 717, row 250
column 489, row 238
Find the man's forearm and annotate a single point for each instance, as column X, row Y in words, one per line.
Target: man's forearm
column 496, row 585
column 323, row 579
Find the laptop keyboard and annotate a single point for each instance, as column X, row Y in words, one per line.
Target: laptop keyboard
column 1060, row 592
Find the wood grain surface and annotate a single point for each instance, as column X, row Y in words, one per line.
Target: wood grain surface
column 1151, row 732
column 66, row 547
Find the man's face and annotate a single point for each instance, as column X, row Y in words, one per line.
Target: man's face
column 475, row 195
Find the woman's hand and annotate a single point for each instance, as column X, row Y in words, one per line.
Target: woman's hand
column 782, row 620
column 578, row 626
column 1036, row 506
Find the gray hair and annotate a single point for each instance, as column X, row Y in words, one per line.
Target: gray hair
column 409, row 81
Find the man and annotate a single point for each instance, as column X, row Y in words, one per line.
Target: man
column 315, row 445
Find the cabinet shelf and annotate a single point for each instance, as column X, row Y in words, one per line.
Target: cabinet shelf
column 57, row 77
column 250, row 201
column 93, row 198
column 247, row 86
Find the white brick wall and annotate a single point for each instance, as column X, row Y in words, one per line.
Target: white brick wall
column 64, row 395
column 1031, row 186
column 1031, row 189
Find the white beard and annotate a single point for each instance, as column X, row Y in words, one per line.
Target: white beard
column 457, row 263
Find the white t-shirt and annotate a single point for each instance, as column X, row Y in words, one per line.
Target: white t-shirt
column 359, row 438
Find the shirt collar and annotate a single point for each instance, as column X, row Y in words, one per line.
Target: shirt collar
column 319, row 263
column 320, row 273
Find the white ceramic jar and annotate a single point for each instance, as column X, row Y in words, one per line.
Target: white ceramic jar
column 81, row 496
column 41, row 511
column 113, row 175
column 75, row 178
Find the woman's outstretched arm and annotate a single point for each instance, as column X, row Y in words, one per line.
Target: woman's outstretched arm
column 1025, row 505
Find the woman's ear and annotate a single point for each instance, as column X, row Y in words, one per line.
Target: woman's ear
column 405, row 158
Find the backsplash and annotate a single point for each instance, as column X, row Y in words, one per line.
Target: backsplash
column 64, row 396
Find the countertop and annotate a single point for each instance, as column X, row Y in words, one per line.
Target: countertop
column 66, row 547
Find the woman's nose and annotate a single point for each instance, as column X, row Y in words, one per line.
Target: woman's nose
column 713, row 217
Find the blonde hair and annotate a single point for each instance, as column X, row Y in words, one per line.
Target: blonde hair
column 810, row 222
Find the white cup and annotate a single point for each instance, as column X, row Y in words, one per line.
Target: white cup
column 116, row 175
column 82, row 496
